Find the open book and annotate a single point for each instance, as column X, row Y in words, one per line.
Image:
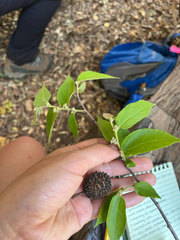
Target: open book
column 144, row 222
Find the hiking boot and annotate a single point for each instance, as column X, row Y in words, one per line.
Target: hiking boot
column 40, row 65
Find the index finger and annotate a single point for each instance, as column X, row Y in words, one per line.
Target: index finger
column 79, row 146
column 80, row 161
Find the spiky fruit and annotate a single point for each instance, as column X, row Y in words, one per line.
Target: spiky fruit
column 97, row 185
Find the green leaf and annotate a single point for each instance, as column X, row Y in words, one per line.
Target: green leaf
column 108, row 116
column 122, row 134
column 129, row 163
column 51, row 117
column 106, row 129
column 104, row 209
column 116, row 219
column 146, row 140
column 73, row 125
column 42, row 98
column 144, row 189
column 89, row 75
column 65, row 91
column 35, row 118
column 133, row 113
column 82, row 87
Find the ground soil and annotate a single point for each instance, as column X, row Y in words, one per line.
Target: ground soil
column 78, row 37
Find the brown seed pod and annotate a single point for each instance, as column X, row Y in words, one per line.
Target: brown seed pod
column 97, row 185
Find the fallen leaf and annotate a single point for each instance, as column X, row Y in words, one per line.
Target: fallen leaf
column 78, row 49
column 3, row 141
column 2, row 110
column 6, row 107
column 142, row 12
column 42, row 126
column 95, row 17
column 106, row 24
column 25, row 128
column 15, row 129
column 31, row 130
column 29, row 104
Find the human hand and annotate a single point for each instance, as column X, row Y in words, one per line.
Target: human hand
column 38, row 204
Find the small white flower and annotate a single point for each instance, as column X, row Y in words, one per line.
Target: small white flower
column 115, row 128
column 73, row 110
column 113, row 140
column 65, row 106
column 55, row 110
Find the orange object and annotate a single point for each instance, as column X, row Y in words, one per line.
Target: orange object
column 106, row 235
column 143, row 84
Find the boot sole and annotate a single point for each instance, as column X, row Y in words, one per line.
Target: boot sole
column 21, row 74
column 14, row 74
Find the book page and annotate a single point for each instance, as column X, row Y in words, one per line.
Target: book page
column 144, row 221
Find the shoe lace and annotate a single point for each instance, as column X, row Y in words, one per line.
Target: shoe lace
column 36, row 62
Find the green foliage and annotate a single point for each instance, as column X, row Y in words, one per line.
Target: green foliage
column 104, row 209
column 82, row 87
column 108, row 116
column 106, row 129
column 144, row 189
column 130, row 144
column 42, row 98
column 65, row 91
column 133, row 113
column 51, row 117
column 122, row 134
column 116, row 219
column 129, row 163
column 146, row 140
column 89, row 75
column 73, row 125
column 35, row 118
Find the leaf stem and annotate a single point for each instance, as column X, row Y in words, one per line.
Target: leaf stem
column 77, row 84
column 115, row 132
column 63, row 109
column 121, row 190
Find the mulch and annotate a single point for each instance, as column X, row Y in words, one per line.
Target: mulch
column 78, row 37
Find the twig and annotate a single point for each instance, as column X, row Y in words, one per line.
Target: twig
column 158, row 207
column 130, row 170
column 85, row 110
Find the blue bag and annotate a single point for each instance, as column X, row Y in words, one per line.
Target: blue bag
column 141, row 67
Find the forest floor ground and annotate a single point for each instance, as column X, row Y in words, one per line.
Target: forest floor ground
column 78, row 37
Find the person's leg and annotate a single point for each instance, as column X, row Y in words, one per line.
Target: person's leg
column 17, row 157
column 24, row 43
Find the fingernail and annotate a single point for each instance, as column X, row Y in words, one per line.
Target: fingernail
column 115, row 147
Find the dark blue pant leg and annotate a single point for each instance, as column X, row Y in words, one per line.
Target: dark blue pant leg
column 34, row 18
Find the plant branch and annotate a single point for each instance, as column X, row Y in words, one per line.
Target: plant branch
column 130, row 170
column 62, row 109
column 85, row 110
column 158, row 207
